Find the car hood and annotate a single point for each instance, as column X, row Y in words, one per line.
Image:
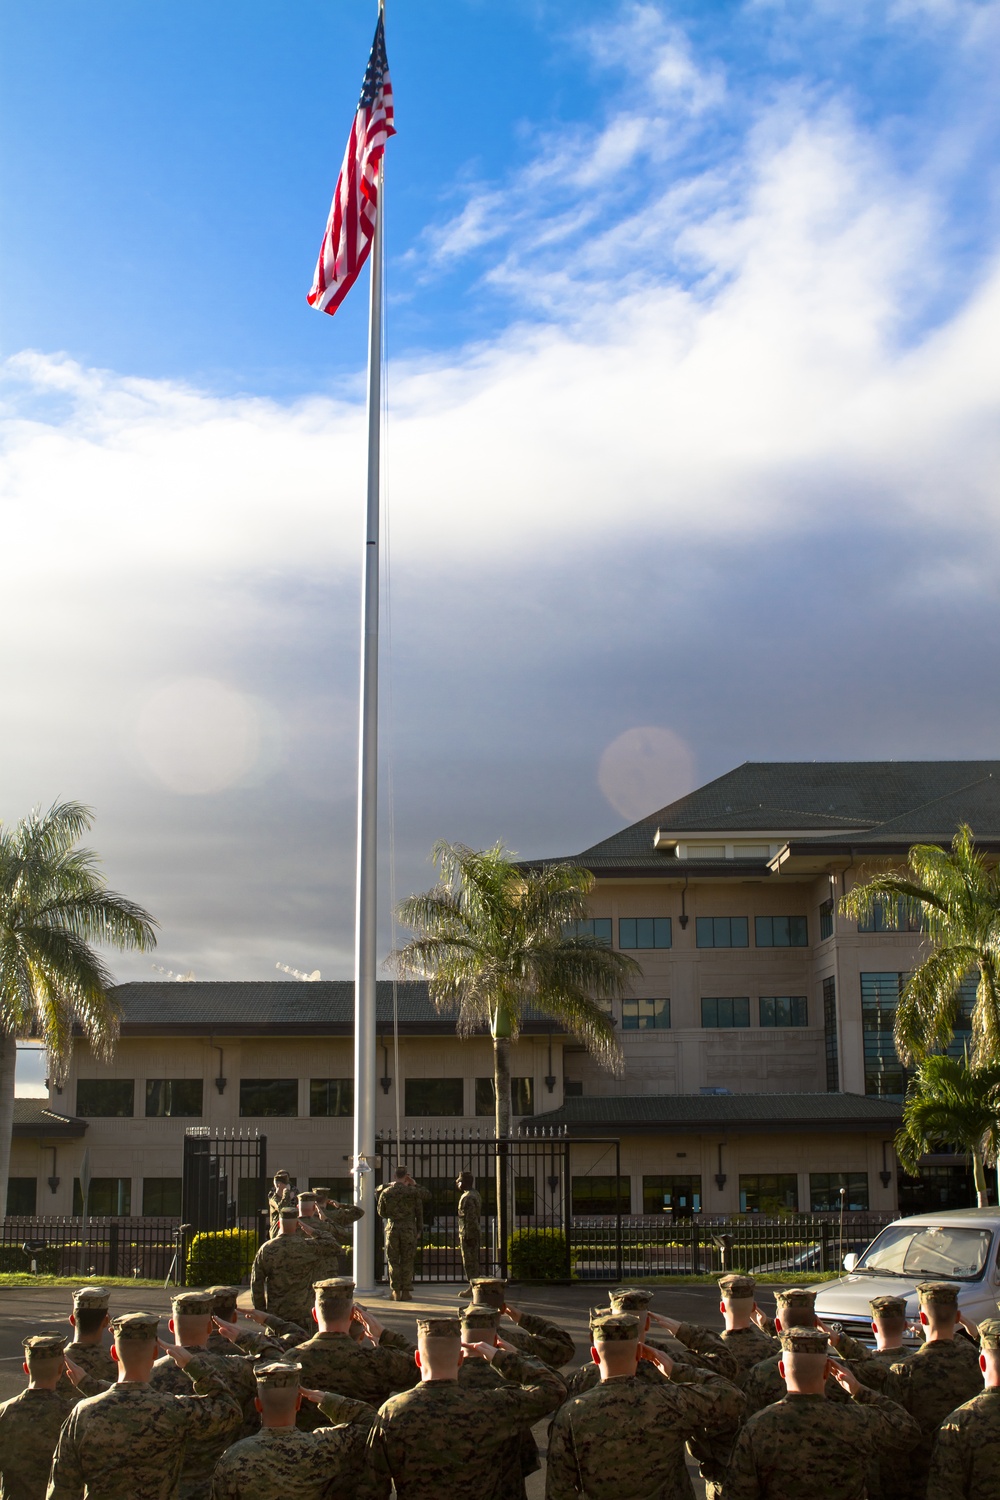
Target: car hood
column 850, row 1295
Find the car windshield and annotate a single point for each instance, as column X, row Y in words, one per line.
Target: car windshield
column 946, row 1252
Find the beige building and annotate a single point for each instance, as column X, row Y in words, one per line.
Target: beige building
column 760, row 1071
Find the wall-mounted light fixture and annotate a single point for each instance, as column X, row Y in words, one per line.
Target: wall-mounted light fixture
column 684, row 919
column 220, row 1082
column 720, row 1176
column 885, row 1176
column 385, row 1080
column 550, row 1077
column 53, row 1180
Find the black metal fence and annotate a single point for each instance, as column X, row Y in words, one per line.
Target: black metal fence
column 225, row 1181
column 139, row 1247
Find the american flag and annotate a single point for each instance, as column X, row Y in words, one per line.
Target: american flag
column 351, row 224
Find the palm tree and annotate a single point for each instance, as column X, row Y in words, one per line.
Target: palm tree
column 53, row 906
column 949, row 1103
column 496, row 939
column 954, row 898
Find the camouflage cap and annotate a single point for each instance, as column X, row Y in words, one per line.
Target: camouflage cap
column 737, row 1287
column 480, row 1317
column 989, row 1333
column 490, row 1290
column 192, row 1304
column 135, row 1326
column 288, row 1211
column 630, row 1299
column 223, row 1297
column 439, row 1328
column 796, row 1296
column 308, row 1196
column 323, row 1192
column 279, row 1376
column 281, row 1176
column 334, row 1291
column 804, row 1341
column 937, row 1293
column 95, row 1297
column 614, row 1328
column 893, row 1307
column 43, row 1346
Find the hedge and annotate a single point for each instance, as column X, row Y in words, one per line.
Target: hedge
column 537, row 1255
column 13, row 1258
column 221, row 1258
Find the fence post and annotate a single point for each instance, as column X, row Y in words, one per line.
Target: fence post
column 618, row 1211
column 828, row 1239
column 695, row 1247
column 113, row 1232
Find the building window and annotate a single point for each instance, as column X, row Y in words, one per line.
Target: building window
column 331, row 1098
column 679, row 1196
column 878, row 922
column 105, row 1098
column 830, row 1035
column 269, row 1097
column 824, row 1192
column 161, row 1197
column 109, row 1197
column 22, row 1196
column 825, row 920
column 524, row 1196
column 342, row 1188
column 769, row 1193
column 784, row 1010
column 885, row 1076
column 434, row 1096
column 590, row 927
column 645, row 932
column 251, row 1200
column 170, row 1098
column 522, row 1096
column 781, row 932
column 722, row 932
column 602, row 1195
column 725, row 1011
column 645, row 1015
column 572, row 1088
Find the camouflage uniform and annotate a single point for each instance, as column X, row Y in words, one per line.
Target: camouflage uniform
column 281, row 1461
column 470, row 1208
column 520, row 1456
column 94, row 1358
column 626, row 1436
column 534, row 1336
column 445, row 1439
column 402, row 1208
column 966, row 1460
column 284, row 1270
column 201, row 1453
column 748, row 1346
column 282, row 1195
column 932, row 1383
column 273, row 1337
column 334, row 1362
column 764, row 1385
column 128, row 1443
column 30, row 1424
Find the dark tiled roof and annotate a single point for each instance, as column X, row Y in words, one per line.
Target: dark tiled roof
column 682, row 1113
column 36, row 1117
column 252, row 1007
column 871, row 801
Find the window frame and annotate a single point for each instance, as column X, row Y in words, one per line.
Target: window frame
column 176, row 1114
column 110, row 1083
column 661, row 933
column 785, row 1184
column 651, row 1021
column 719, row 933
column 345, row 1089
column 797, row 1011
column 831, row 1192
column 730, row 1000
column 767, row 933
column 162, row 1213
column 268, row 1114
column 425, row 1114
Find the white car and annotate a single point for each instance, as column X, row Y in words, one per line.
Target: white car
column 962, row 1245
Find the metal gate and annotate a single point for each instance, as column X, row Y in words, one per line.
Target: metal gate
column 225, row 1181
column 536, row 1186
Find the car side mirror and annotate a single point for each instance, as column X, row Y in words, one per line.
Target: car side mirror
column 850, row 1261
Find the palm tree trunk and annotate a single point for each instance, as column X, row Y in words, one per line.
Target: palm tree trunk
column 979, row 1177
column 501, row 1090
column 501, row 1083
column 8, row 1066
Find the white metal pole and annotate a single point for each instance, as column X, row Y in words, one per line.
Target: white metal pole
column 365, row 930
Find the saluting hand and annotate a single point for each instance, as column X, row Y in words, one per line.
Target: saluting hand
column 660, row 1320
column 177, row 1352
column 656, row 1357
column 314, row 1396
column 479, row 1351
column 74, row 1371
column 843, row 1376
column 229, row 1331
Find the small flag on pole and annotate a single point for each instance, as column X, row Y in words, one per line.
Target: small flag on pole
column 351, row 224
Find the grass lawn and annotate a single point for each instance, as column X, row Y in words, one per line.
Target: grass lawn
column 25, row 1278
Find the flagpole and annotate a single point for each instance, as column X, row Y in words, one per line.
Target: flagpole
column 367, row 871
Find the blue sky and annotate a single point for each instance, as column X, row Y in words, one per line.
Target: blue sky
column 692, row 445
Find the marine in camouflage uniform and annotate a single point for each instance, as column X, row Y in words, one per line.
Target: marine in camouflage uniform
column 690, row 1345
column 341, row 1217
column 282, row 1460
column 520, row 1457
column 470, row 1210
column 333, row 1361
column 89, row 1318
column 445, row 1439
column 30, row 1422
column 965, row 1464
column 128, row 1443
column 935, row 1380
column 401, row 1205
column 806, row 1445
column 224, row 1306
column 796, row 1308
column 284, row 1270
column 626, row 1436
column 282, row 1195
column 532, row 1335
column 748, row 1345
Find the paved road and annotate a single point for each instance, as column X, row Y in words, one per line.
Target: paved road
column 28, row 1310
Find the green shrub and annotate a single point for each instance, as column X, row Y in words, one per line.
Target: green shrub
column 13, row 1258
column 537, row 1255
column 223, row 1258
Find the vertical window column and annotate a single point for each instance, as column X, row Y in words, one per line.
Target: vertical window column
column 830, row 1035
